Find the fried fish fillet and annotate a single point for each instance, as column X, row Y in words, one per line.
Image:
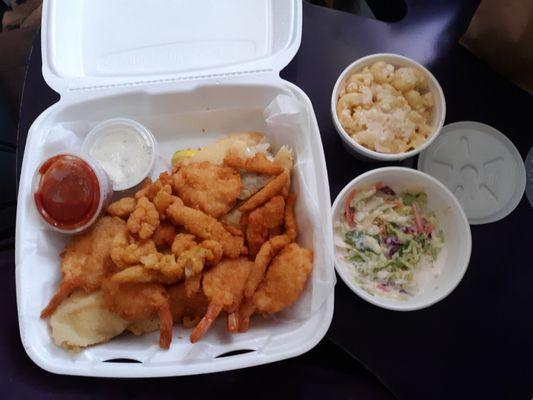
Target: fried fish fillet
column 211, row 188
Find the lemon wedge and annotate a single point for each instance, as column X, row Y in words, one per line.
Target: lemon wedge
column 181, row 155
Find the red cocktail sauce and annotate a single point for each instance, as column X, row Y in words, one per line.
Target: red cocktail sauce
column 69, row 192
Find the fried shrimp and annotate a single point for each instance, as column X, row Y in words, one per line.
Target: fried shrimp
column 223, row 285
column 285, row 279
column 139, row 302
column 258, row 164
column 282, row 285
column 263, row 221
column 215, row 235
column 144, row 220
column 210, row 188
column 186, row 309
column 122, row 208
column 266, row 193
column 206, row 227
column 86, row 260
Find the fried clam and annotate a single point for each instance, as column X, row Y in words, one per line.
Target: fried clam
column 187, row 261
column 210, row 188
column 122, row 208
column 140, row 302
column 223, row 286
column 282, row 285
column 125, row 251
column 144, row 220
column 164, row 235
column 86, row 260
column 163, row 199
column 150, row 189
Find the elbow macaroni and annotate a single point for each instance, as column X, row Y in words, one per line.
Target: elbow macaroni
column 386, row 109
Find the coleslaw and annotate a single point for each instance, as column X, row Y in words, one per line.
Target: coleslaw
column 389, row 238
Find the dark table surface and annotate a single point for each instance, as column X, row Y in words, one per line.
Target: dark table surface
column 476, row 343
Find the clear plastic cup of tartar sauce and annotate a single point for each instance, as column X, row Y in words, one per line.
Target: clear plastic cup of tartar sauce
column 124, row 148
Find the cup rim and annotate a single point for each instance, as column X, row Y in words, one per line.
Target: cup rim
column 140, row 129
column 376, row 300
column 104, row 184
column 371, row 154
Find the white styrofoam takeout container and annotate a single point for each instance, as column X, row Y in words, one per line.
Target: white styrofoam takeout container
column 453, row 259
column 437, row 118
column 191, row 72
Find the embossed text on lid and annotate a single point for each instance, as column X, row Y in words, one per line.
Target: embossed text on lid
column 480, row 166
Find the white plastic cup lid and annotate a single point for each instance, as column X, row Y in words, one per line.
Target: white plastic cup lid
column 529, row 171
column 481, row 166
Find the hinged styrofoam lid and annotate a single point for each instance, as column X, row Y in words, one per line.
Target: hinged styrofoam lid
column 480, row 166
column 90, row 44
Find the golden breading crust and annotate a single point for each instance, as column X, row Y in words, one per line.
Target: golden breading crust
column 257, row 164
column 86, row 260
column 266, row 193
column 210, row 188
column 144, row 220
column 206, row 227
column 262, row 221
column 285, row 279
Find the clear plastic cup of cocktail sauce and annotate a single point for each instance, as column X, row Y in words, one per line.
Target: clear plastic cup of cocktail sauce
column 70, row 192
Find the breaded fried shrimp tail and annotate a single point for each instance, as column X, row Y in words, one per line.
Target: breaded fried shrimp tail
column 213, row 311
column 165, row 325
column 62, row 292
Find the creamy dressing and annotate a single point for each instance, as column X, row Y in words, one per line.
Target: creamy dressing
column 124, row 154
column 391, row 254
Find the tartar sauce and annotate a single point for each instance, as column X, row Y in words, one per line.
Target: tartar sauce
column 123, row 153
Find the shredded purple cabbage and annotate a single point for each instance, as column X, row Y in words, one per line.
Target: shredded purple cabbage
column 387, row 190
column 394, row 244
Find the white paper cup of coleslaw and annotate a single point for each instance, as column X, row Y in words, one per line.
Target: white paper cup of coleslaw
column 436, row 121
column 453, row 258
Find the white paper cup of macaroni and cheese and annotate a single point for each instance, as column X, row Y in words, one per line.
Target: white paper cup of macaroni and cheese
column 387, row 107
